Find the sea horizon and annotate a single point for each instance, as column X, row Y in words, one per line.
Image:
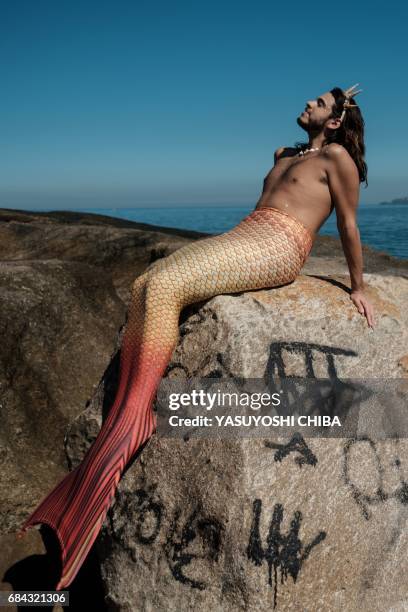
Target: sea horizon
column 382, row 226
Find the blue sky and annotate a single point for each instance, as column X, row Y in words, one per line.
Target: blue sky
column 155, row 103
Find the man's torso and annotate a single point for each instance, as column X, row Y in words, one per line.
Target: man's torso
column 299, row 186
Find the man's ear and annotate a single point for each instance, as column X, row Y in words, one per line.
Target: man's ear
column 333, row 124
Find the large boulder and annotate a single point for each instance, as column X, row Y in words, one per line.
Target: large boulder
column 65, row 283
column 65, row 278
column 300, row 524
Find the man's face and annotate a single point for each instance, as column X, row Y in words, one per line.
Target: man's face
column 317, row 112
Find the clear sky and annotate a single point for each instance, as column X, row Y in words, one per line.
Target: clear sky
column 133, row 103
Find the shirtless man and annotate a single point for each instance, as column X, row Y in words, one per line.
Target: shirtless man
column 309, row 186
column 266, row 249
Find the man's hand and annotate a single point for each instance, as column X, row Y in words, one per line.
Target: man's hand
column 363, row 306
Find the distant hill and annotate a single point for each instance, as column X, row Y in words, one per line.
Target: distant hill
column 397, row 201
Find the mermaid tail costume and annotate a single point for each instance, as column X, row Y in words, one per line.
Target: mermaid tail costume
column 267, row 248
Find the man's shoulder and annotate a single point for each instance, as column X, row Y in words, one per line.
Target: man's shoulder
column 341, row 163
column 340, row 159
column 336, row 152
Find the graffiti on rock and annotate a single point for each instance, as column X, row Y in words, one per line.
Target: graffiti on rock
column 209, row 530
column 308, row 351
column 284, row 552
column 297, row 445
column 364, row 498
column 149, row 517
column 184, row 538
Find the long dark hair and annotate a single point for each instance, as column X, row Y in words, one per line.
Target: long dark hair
column 350, row 134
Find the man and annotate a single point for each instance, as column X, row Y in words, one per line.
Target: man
column 309, row 181
column 266, row 249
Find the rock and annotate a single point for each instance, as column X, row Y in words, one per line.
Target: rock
column 66, row 280
column 120, row 249
column 58, row 322
column 62, row 278
column 244, row 524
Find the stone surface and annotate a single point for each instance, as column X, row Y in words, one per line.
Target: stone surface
column 233, row 524
column 66, row 280
column 119, row 249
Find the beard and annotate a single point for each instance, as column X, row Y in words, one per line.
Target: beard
column 311, row 127
column 301, row 123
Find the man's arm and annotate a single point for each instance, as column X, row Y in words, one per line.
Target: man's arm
column 344, row 185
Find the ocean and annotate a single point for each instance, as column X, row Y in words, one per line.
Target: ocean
column 383, row 227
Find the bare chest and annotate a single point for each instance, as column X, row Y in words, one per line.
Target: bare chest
column 297, row 171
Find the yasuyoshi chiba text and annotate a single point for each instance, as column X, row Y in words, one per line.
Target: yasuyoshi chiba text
column 255, row 421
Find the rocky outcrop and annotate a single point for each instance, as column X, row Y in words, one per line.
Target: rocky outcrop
column 64, row 279
column 65, row 286
column 252, row 524
column 119, row 249
column 64, row 283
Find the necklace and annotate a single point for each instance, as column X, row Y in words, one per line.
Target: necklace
column 309, row 150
